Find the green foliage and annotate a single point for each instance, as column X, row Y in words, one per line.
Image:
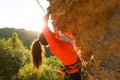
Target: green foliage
column 16, row 43
column 48, row 71
column 25, row 73
column 13, row 55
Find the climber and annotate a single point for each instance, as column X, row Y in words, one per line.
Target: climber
column 62, row 49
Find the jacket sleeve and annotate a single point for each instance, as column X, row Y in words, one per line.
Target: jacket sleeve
column 50, row 36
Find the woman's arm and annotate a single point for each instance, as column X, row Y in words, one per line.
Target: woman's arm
column 49, row 35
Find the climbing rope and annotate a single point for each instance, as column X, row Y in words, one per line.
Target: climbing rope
column 45, row 13
column 41, row 6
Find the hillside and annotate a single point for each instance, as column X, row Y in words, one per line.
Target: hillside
column 26, row 36
column 96, row 26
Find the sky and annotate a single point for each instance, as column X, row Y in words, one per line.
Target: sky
column 22, row 14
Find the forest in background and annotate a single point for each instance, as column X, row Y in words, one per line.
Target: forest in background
column 26, row 36
column 15, row 61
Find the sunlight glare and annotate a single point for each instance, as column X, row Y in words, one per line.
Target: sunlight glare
column 28, row 16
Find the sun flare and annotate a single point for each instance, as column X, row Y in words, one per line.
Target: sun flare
column 28, row 16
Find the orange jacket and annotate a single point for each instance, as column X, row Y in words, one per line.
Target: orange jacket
column 62, row 49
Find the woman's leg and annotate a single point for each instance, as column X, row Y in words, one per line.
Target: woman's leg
column 75, row 76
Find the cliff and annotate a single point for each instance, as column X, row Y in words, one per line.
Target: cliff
column 96, row 26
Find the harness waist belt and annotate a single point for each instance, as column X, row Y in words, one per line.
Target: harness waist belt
column 78, row 63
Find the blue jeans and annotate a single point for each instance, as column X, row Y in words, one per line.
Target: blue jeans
column 75, row 76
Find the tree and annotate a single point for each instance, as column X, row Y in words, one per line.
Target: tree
column 16, row 42
column 13, row 55
column 20, row 52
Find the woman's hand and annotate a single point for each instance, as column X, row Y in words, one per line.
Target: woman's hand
column 46, row 17
column 49, row 10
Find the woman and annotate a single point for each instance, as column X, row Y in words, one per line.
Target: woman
column 61, row 48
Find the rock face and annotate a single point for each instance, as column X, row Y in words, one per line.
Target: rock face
column 96, row 26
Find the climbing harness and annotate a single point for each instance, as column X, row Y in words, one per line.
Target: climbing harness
column 75, row 65
column 65, row 69
column 69, row 67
